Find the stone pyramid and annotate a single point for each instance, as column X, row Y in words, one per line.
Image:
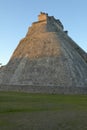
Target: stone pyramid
column 46, row 59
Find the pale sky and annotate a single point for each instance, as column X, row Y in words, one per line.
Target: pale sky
column 17, row 15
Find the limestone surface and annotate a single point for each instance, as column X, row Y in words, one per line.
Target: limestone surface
column 47, row 56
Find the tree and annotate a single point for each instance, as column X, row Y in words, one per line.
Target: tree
column 0, row 64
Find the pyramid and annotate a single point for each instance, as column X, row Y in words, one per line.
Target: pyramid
column 46, row 60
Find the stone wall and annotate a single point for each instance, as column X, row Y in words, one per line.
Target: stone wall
column 44, row 89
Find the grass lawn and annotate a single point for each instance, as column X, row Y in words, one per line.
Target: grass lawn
column 24, row 111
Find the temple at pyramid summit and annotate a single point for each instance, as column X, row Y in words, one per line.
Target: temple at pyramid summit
column 46, row 60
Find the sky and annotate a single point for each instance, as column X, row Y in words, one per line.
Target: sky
column 17, row 15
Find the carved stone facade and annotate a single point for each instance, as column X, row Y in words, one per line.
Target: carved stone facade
column 42, row 16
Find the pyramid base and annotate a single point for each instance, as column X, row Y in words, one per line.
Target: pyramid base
column 44, row 89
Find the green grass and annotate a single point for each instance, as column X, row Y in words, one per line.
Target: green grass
column 24, row 111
